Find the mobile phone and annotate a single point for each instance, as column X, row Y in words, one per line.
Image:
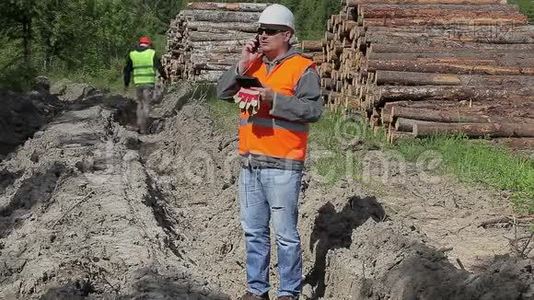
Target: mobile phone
column 248, row 81
column 256, row 44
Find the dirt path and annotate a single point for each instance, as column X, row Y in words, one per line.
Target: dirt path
column 90, row 210
column 81, row 218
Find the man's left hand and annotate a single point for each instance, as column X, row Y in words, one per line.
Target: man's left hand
column 266, row 94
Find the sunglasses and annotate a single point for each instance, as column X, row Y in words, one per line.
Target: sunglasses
column 269, row 31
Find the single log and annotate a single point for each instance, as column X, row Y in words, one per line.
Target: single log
column 434, row 10
column 211, row 56
column 406, row 125
column 199, row 36
column 445, row 115
column 244, row 7
column 348, row 26
column 468, row 37
column 355, row 3
column 328, row 36
column 455, row 55
column 326, row 69
column 512, row 19
column 231, row 49
column 394, row 37
column 328, row 83
column 475, row 129
column 415, row 78
column 213, row 66
column 395, row 136
column 347, row 13
column 219, row 16
column 407, row 47
column 389, row 93
column 435, row 115
column 335, row 75
column 311, row 45
column 208, row 29
column 513, row 107
column 317, row 57
column 454, row 29
column 457, row 66
column 205, row 44
column 237, row 26
column 385, row 113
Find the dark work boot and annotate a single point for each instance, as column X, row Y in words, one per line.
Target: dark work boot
column 250, row 296
column 287, row 298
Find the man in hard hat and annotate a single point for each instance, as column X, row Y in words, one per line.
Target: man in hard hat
column 272, row 149
column 143, row 63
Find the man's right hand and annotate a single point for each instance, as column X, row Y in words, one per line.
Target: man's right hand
column 248, row 56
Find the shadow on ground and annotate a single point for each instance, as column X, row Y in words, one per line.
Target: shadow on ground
column 378, row 259
column 150, row 286
column 333, row 230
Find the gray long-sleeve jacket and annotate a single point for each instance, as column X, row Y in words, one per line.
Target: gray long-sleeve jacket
column 306, row 106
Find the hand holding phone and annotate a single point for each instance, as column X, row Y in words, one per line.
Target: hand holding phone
column 249, row 54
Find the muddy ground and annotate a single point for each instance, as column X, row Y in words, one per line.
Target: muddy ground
column 91, row 210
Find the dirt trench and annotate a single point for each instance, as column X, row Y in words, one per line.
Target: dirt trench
column 91, row 210
column 81, row 218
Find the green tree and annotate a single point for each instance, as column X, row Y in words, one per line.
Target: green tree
column 92, row 37
column 527, row 7
column 17, row 19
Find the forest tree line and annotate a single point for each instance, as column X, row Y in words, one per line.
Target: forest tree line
column 90, row 38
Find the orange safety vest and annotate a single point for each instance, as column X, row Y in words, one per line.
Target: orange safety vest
column 264, row 134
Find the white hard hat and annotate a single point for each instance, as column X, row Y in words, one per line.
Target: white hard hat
column 277, row 14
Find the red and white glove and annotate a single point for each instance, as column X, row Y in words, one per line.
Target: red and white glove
column 248, row 100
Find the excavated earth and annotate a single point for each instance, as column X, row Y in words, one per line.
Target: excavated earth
column 92, row 210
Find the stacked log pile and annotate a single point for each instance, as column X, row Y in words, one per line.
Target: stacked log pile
column 206, row 39
column 424, row 67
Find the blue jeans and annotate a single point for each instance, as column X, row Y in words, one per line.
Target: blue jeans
column 271, row 194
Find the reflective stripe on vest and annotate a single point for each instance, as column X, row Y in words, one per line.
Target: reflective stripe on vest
column 264, row 134
column 143, row 66
column 274, row 123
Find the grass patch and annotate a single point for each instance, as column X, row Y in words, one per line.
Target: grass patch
column 224, row 114
column 333, row 140
column 109, row 78
column 477, row 162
